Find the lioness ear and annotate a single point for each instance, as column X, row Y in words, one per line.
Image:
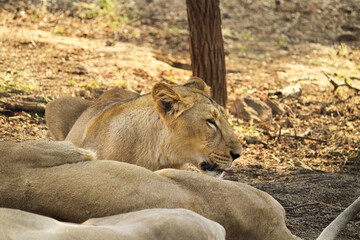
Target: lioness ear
column 168, row 102
column 198, row 83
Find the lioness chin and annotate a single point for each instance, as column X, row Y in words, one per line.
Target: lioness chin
column 167, row 128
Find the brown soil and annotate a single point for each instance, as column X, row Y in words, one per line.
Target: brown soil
column 44, row 56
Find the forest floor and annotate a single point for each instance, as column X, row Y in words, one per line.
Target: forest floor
column 307, row 158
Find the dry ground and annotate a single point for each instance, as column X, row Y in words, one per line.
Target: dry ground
column 46, row 55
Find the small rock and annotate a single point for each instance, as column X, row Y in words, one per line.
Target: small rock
column 109, row 43
column 331, row 110
column 302, row 165
column 287, row 123
column 251, row 139
column 292, row 91
column 303, row 115
column 248, row 107
column 346, row 37
column 275, row 106
column 255, row 166
column 84, row 93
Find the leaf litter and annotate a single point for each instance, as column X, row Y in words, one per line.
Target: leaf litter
column 307, row 156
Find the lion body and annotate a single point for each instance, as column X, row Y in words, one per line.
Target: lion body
column 180, row 224
column 74, row 108
column 58, row 180
column 129, row 132
column 167, row 128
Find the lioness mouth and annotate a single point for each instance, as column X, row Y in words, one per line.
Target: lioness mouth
column 209, row 166
column 213, row 167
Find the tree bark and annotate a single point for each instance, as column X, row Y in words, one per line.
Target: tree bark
column 206, row 46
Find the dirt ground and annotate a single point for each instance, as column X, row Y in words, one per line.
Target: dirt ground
column 308, row 158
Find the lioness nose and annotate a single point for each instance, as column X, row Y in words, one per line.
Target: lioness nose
column 235, row 155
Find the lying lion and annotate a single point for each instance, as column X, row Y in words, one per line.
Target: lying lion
column 59, row 180
column 149, row 224
column 172, row 126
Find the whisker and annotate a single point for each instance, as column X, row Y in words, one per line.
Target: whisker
column 205, row 154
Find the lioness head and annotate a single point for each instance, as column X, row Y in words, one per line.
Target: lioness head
column 198, row 125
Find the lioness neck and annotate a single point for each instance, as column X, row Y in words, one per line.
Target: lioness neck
column 140, row 135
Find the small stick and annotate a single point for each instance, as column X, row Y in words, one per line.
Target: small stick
column 355, row 78
column 173, row 63
column 279, row 135
column 301, row 205
column 332, row 81
column 306, row 138
column 337, row 85
column 26, row 106
column 351, row 87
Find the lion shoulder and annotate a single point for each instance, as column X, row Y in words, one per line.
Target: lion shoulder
column 61, row 114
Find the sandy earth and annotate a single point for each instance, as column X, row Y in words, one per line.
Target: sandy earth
column 46, row 55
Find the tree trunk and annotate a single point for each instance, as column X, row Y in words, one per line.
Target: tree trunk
column 206, row 46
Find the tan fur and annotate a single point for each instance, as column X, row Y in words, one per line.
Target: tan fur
column 62, row 113
column 69, row 110
column 168, row 128
column 149, row 224
column 115, row 94
column 59, row 180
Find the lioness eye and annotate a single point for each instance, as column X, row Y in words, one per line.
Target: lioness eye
column 211, row 121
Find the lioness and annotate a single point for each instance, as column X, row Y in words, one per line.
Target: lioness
column 149, row 224
column 167, row 128
column 57, row 179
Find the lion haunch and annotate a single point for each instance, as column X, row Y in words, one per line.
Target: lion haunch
column 167, row 128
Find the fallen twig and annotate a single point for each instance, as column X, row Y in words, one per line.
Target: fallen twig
column 306, row 138
column 301, row 205
column 176, row 64
column 351, row 87
column 26, row 106
column 355, row 78
column 172, row 62
column 279, row 135
column 337, row 85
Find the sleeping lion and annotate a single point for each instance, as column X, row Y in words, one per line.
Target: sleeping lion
column 167, row 128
